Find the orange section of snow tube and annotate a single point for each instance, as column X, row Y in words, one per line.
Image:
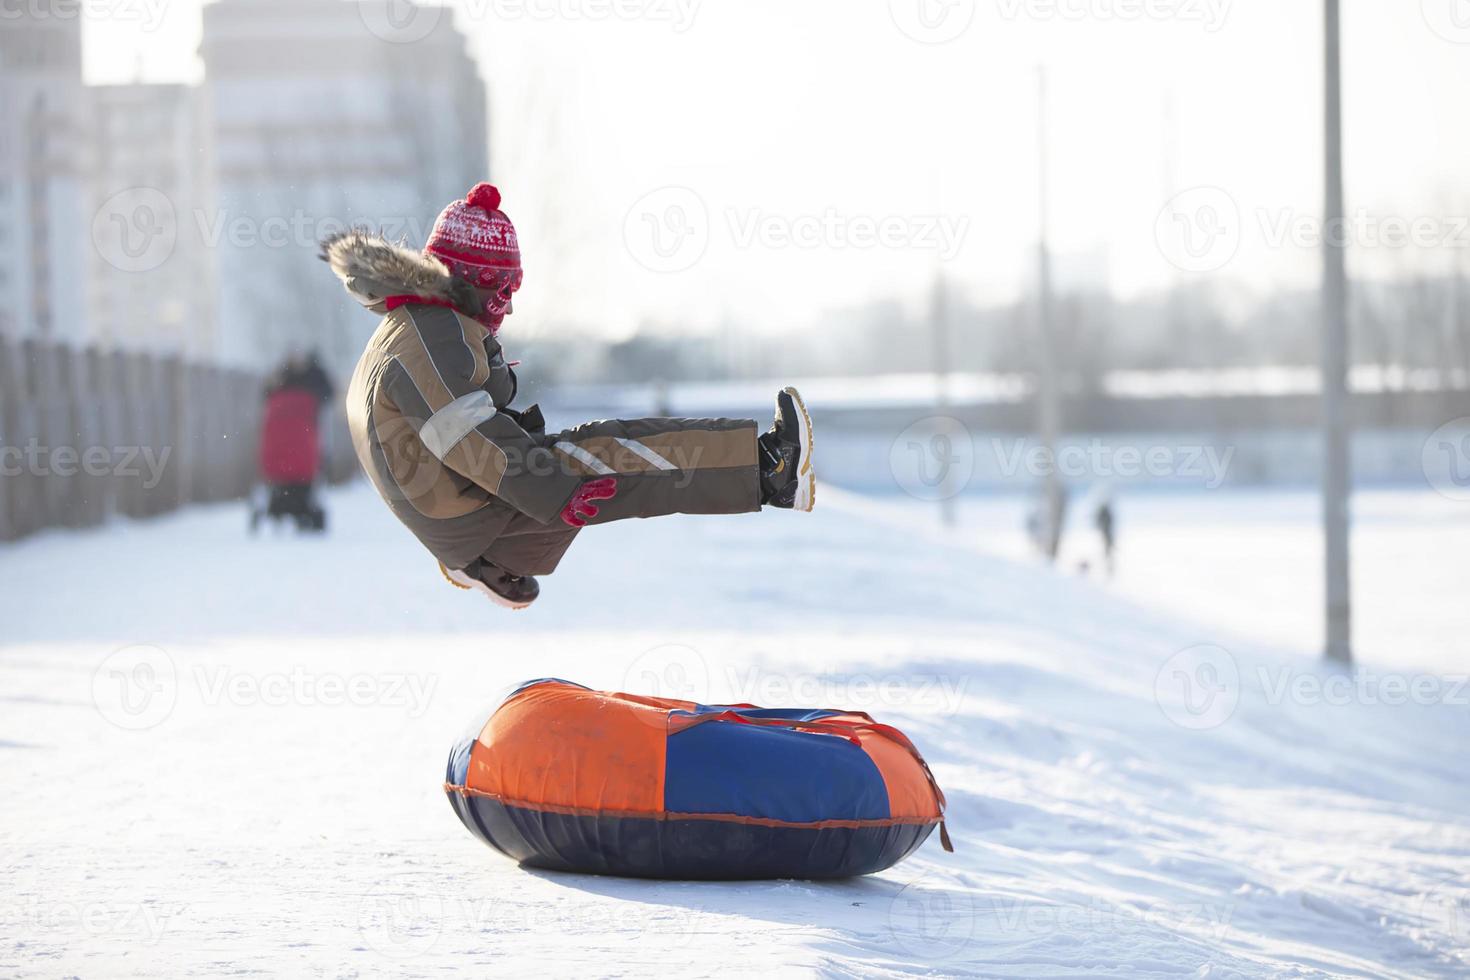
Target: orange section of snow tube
column 565, row 746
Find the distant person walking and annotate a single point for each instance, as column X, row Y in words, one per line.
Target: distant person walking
column 494, row 497
column 1105, row 521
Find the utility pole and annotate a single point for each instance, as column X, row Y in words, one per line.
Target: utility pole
column 1336, row 459
column 1048, row 396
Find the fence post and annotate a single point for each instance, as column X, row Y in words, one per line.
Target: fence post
column 245, row 434
column 79, row 387
column 142, row 383
column 10, row 469
column 104, row 397
column 42, row 391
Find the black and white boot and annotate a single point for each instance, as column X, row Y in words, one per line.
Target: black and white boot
column 496, row 584
column 787, row 478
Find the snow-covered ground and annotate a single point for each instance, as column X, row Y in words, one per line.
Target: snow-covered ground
column 1248, row 562
column 1134, row 792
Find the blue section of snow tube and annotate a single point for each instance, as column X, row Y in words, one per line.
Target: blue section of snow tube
column 772, row 773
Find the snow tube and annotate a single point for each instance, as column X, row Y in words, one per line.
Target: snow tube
column 572, row 779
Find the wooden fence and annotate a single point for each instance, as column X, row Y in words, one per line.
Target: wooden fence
column 86, row 434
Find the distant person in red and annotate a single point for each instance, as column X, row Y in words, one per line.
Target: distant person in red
column 290, row 443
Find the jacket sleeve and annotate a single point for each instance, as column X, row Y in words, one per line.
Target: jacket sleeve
column 455, row 387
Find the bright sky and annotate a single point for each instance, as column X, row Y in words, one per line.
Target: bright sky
column 822, row 157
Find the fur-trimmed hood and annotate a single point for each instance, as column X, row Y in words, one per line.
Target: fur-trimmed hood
column 373, row 268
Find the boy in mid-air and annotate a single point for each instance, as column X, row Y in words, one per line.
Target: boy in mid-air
column 491, row 495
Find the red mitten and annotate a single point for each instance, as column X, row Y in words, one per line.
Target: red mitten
column 580, row 509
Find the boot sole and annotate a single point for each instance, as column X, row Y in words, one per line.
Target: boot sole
column 806, row 476
column 460, row 580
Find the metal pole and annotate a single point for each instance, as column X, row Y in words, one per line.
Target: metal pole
column 939, row 324
column 1048, row 396
column 1335, row 427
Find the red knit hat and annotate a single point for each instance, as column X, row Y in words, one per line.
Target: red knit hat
column 478, row 243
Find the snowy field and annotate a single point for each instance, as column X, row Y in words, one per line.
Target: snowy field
column 1134, row 791
column 1248, row 562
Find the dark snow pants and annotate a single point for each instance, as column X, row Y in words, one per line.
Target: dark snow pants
column 662, row 466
